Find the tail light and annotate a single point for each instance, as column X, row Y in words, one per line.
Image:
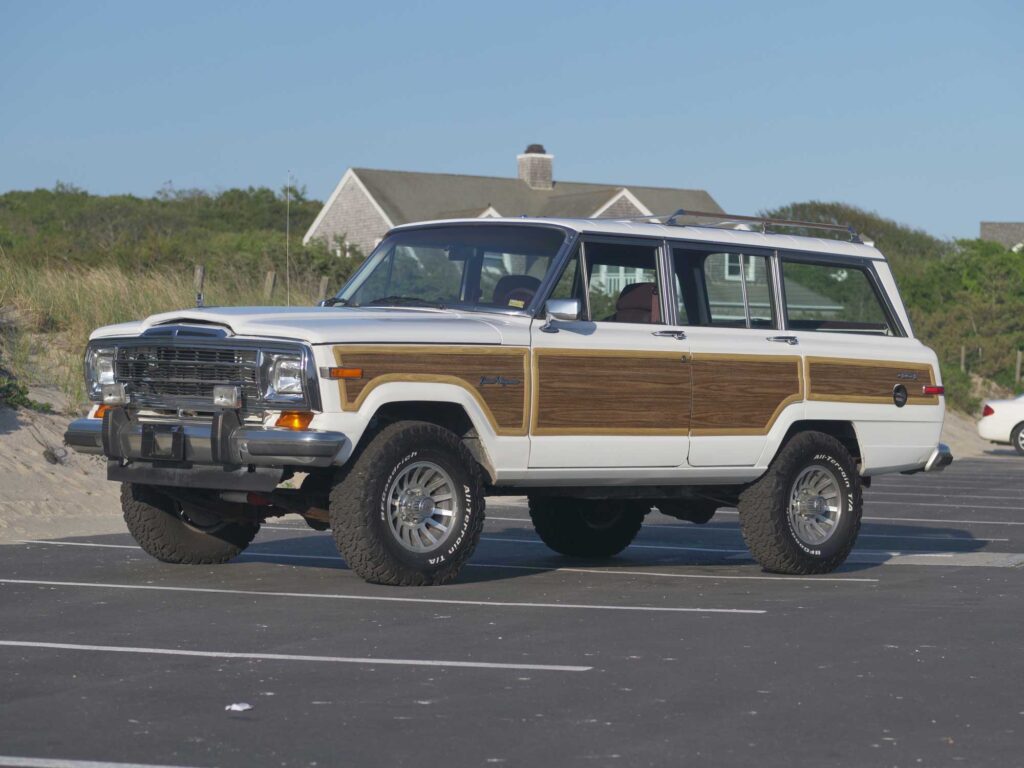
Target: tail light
column 929, row 390
column 988, row 411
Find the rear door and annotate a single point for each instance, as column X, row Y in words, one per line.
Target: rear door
column 611, row 389
column 743, row 375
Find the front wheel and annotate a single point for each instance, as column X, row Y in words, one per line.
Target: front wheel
column 586, row 527
column 410, row 510
column 803, row 515
column 175, row 533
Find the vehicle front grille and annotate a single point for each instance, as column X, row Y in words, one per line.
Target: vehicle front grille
column 160, row 375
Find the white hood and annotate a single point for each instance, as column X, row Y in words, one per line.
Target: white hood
column 332, row 325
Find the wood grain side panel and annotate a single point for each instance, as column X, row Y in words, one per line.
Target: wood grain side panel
column 867, row 381
column 610, row 392
column 742, row 395
column 506, row 404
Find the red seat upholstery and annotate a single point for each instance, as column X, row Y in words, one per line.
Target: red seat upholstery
column 638, row 303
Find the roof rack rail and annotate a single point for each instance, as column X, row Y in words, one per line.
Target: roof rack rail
column 765, row 222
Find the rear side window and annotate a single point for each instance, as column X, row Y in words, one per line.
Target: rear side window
column 833, row 298
column 723, row 289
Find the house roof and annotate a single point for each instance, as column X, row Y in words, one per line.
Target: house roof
column 408, row 196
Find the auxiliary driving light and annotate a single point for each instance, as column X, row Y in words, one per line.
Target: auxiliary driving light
column 226, row 396
column 114, row 394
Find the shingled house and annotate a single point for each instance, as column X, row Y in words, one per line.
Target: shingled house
column 368, row 202
column 1007, row 233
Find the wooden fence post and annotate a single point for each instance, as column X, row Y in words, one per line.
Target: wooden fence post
column 198, row 278
column 1020, row 359
column 268, row 285
column 326, row 281
column 963, row 358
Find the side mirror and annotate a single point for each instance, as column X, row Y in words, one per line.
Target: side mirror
column 559, row 309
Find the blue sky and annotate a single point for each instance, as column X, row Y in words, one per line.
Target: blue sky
column 915, row 110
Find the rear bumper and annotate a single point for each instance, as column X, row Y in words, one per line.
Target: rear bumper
column 941, row 458
column 220, row 442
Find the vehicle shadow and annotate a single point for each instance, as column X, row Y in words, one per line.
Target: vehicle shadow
column 503, row 554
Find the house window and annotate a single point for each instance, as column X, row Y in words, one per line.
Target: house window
column 733, row 266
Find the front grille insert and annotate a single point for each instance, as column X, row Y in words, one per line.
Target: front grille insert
column 159, row 375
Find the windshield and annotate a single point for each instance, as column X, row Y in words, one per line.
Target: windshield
column 490, row 267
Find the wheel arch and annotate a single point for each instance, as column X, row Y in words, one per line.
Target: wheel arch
column 843, row 431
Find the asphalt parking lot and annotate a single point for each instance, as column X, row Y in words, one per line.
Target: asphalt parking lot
column 680, row 651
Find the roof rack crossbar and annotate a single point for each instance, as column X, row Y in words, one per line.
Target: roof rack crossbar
column 728, row 218
column 765, row 222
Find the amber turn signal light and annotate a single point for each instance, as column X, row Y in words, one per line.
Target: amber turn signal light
column 930, row 389
column 344, row 373
column 100, row 410
column 297, row 420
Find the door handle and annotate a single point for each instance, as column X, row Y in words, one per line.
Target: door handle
column 678, row 335
column 791, row 340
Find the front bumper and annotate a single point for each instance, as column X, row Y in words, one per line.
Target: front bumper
column 224, row 441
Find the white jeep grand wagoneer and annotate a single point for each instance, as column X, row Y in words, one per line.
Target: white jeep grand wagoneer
column 602, row 368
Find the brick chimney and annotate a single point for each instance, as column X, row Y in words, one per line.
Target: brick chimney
column 535, row 167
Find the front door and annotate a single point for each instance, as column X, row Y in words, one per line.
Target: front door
column 611, row 389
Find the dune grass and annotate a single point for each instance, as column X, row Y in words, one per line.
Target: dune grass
column 48, row 312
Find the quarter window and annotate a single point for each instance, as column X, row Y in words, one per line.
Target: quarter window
column 833, row 299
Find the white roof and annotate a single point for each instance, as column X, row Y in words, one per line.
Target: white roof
column 688, row 232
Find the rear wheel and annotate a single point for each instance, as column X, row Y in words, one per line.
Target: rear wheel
column 586, row 527
column 1017, row 438
column 803, row 515
column 176, row 533
column 410, row 510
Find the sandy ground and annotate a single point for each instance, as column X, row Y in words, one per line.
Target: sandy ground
column 48, row 491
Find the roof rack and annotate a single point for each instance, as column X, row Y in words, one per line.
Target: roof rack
column 727, row 218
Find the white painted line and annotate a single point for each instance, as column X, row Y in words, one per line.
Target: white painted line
column 631, row 546
column 868, row 495
column 296, row 657
column 962, row 559
column 79, row 544
column 621, row 572
column 382, row 599
column 920, row 519
column 51, row 762
column 687, row 528
column 945, row 506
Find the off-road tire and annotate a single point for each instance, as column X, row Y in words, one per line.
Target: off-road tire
column 763, row 508
column 359, row 514
column 698, row 511
column 1017, row 438
column 162, row 529
column 586, row 527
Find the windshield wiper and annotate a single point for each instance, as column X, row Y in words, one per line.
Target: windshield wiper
column 403, row 301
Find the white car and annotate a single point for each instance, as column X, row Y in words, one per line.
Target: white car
column 599, row 367
column 1002, row 421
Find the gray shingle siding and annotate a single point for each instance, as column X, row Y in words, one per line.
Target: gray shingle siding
column 352, row 216
column 621, row 209
column 1006, row 233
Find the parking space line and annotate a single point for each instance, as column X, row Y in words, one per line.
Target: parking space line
column 876, row 491
column 296, row 657
column 780, row 579
column 918, row 519
column 385, row 599
column 704, row 529
column 631, row 546
column 52, row 762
